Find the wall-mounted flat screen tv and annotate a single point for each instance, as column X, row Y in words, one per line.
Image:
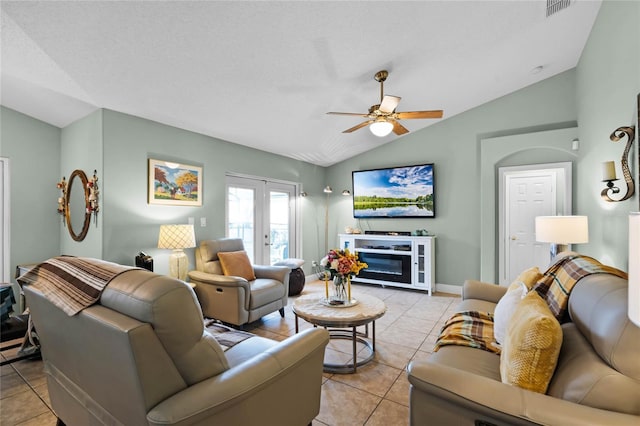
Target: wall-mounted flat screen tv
column 395, row 192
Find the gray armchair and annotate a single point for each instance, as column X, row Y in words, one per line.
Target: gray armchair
column 233, row 299
column 142, row 356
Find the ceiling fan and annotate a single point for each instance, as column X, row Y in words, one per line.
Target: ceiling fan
column 383, row 118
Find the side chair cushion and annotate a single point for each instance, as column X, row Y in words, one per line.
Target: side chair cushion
column 237, row 264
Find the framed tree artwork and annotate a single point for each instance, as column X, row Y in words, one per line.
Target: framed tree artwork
column 174, row 184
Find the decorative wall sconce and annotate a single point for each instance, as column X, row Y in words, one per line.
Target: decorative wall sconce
column 62, row 205
column 93, row 205
column 609, row 170
column 346, row 192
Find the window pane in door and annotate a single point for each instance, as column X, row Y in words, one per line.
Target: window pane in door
column 241, row 217
column 279, row 226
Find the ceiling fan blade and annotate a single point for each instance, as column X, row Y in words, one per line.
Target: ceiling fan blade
column 398, row 128
column 419, row 114
column 389, row 103
column 358, row 114
column 359, row 126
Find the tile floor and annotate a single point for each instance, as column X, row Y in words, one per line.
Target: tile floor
column 378, row 394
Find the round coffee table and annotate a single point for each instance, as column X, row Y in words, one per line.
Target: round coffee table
column 366, row 311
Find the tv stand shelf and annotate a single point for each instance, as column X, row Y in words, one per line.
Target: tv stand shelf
column 394, row 260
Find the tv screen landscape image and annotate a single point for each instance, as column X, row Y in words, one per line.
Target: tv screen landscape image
column 394, row 192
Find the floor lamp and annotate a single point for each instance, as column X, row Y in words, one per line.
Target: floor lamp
column 561, row 231
column 177, row 238
column 327, row 190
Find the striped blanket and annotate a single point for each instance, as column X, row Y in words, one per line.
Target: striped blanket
column 72, row 283
column 227, row 337
column 468, row 328
column 558, row 281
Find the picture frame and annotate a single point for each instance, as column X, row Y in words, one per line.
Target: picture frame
column 174, row 184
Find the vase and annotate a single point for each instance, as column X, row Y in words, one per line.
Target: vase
column 340, row 289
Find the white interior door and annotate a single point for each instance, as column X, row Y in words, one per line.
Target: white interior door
column 262, row 214
column 527, row 192
column 529, row 195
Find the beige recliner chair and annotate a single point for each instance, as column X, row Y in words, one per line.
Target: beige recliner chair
column 141, row 356
column 233, row 299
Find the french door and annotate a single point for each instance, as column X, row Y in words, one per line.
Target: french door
column 263, row 214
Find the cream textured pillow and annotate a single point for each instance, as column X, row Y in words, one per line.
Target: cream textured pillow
column 505, row 308
column 236, row 263
column 507, row 304
column 532, row 345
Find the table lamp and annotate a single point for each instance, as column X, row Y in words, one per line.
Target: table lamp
column 561, row 231
column 634, row 268
column 177, row 237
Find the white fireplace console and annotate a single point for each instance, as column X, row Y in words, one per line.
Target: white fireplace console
column 394, row 260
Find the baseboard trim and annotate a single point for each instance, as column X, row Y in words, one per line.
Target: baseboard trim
column 448, row 288
column 440, row 288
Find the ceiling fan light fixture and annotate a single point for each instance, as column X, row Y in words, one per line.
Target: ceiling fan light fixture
column 381, row 128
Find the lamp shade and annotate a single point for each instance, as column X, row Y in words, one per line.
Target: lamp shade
column 381, row 128
column 176, row 237
column 634, row 268
column 562, row 229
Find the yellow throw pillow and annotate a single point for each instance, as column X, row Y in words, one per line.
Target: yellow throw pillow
column 529, row 277
column 237, row 264
column 532, row 345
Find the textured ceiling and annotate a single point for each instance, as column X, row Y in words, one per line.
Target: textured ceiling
column 264, row 73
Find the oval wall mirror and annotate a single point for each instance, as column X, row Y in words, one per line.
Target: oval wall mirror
column 77, row 200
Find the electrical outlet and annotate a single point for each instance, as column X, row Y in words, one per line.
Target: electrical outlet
column 192, row 221
column 203, row 222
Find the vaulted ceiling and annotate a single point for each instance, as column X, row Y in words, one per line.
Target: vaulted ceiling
column 264, row 73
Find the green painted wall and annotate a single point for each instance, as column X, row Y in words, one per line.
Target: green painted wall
column 552, row 146
column 33, row 149
column 454, row 146
column 132, row 225
column 608, row 82
column 81, row 145
column 599, row 96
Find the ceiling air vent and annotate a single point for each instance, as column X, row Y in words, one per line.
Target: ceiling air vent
column 555, row 6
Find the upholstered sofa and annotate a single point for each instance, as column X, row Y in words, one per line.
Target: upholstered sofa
column 142, row 355
column 596, row 380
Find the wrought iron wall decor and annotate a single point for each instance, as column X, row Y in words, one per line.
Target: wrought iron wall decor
column 610, row 176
